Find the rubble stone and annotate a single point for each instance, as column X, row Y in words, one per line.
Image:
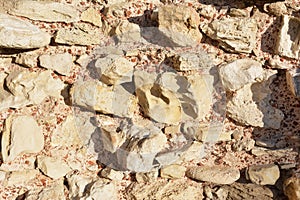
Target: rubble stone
column 61, row 63
column 263, row 174
column 52, row 167
column 91, row 15
column 293, row 81
column 172, row 171
column 291, row 187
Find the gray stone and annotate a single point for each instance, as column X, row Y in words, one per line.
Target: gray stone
column 293, row 81
column 255, row 98
column 240, row 72
column 291, row 188
column 214, row 174
column 236, row 35
column 162, row 189
column 79, row 34
column 22, row 34
column 172, row 171
column 61, row 63
column 21, row 135
column 53, row 167
column 179, row 25
column 45, row 11
column 263, row 174
column 288, row 39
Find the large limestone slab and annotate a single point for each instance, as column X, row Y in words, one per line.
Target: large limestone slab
column 250, row 105
column 45, row 11
column 288, row 39
column 19, row 34
column 21, row 135
column 236, row 35
column 179, row 24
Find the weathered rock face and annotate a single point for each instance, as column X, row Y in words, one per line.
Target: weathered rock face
column 52, row 167
column 21, row 135
column 33, row 86
column 54, row 191
column 291, row 188
column 15, row 178
column 175, row 190
column 239, row 73
column 27, row 59
column 172, row 98
column 61, row 63
column 113, row 69
column 214, row 174
column 172, row 171
column 96, row 96
column 45, row 11
column 248, row 191
column 92, row 16
column 234, row 34
column 111, row 174
column 263, row 174
column 80, row 34
column 288, row 40
column 180, row 25
column 293, row 81
column 254, row 97
column 22, row 34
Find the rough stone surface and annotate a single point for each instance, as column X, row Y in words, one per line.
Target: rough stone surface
column 239, row 73
column 180, row 25
column 27, row 59
column 126, row 32
column 33, row 87
column 91, row 15
column 293, row 81
column 236, row 35
column 263, row 174
column 105, row 99
column 114, row 69
column 254, row 97
column 277, row 8
column 52, row 167
column 146, row 177
column 248, row 191
column 54, row 191
column 19, row 177
column 291, row 188
column 288, row 39
column 167, row 190
column 45, row 11
column 111, row 174
column 214, row 174
column 80, row 34
column 22, row 34
column 172, row 171
column 22, row 135
column 61, row 63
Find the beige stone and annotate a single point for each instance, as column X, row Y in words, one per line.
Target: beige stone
column 172, row 171
column 255, row 97
column 29, row 59
column 240, row 72
column 177, row 189
column 112, row 174
column 291, row 188
column 16, row 178
column 91, row 15
column 45, row 11
column 79, row 34
column 236, row 35
column 147, row 176
column 126, row 32
column 263, row 174
column 103, row 189
column 114, row 69
column 61, row 63
column 21, row 135
column 214, row 174
column 288, row 39
column 23, row 35
column 179, row 24
column 293, row 81
column 53, row 167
